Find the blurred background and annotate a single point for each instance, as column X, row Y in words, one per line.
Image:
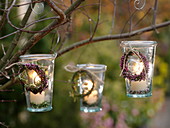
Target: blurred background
column 119, row 111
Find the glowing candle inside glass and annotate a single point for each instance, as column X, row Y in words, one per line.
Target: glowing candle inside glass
column 35, row 79
column 93, row 96
column 138, row 64
column 136, row 68
column 37, row 98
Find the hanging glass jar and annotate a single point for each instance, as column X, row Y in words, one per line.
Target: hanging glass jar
column 88, row 84
column 37, row 79
column 137, row 66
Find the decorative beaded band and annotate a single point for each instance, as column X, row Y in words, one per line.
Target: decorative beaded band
column 35, row 88
column 126, row 73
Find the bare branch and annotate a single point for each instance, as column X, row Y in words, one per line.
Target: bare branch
column 113, row 37
column 33, row 2
column 143, row 17
column 57, row 10
column 155, row 11
column 3, row 20
column 97, row 23
column 4, row 16
column 4, row 125
column 52, row 5
column 10, row 83
column 73, row 7
column 38, row 36
column 16, row 38
column 10, row 34
column 113, row 17
column 154, row 14
column 128, row 20
column 3, row 49
column 131, row 16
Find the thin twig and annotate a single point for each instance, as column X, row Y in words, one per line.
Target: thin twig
column 143, row 17
column 131, row 16
column 63, row 40
column 4, row 15
column 3, row 49
column 10, row 83
column 98, row 19
column 38, row 36
column 28, row 3
column 16, row 38
column 128, row 21
column 155, row 14
column 3, row 124
column 10, row 34
column 113, row 37
column 113, row 17
column 51, row 4
column 57, row 10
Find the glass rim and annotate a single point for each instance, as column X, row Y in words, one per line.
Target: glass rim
column 143, row 43
column 93, row 66
column 37, row 56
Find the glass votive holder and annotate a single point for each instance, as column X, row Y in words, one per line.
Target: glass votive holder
column 137, row 66
column 91, row 87
column 37, row 79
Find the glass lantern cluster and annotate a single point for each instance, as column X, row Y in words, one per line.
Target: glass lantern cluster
column 137, row 64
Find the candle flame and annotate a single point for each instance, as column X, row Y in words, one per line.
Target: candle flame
column 136, row 67
column 34, row 76
column 87, row 84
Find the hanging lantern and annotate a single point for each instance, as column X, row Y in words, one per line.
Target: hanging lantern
column 137, row 66
column 37, row 79
column 88, row 84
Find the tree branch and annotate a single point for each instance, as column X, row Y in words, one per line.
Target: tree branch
column 10, row 83
column 112, row 37
column 97, row 22
column 39, row 36
column 2, row 22
column 155, row 11
column 155, row 14
column 48, row 29
column 113, row 17
column 16, row 39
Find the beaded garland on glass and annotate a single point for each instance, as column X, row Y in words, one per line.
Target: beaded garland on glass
column 38, row 88
column 126, row 73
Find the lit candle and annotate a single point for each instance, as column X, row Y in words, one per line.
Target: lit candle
column 136, row 68
column 87, row 85
column 93, row 96
column 37, row 98
column 138, row 85
column 35, row 79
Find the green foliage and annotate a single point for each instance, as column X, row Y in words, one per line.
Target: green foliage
column 42, row 105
